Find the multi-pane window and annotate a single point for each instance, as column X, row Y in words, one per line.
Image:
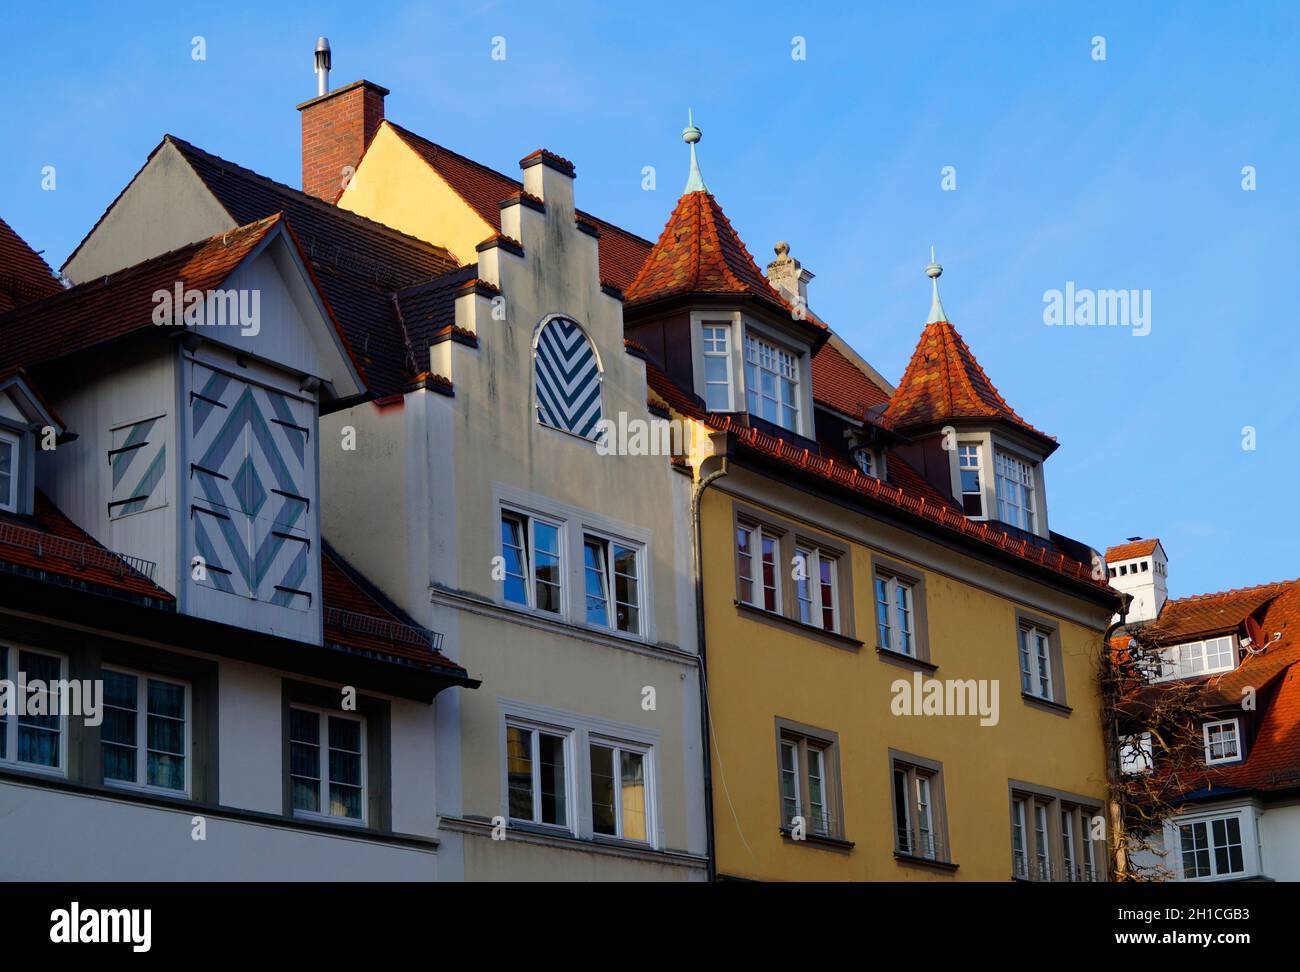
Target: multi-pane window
column 895, row 615
column 611, row 573
column 1019, row 840
column 1197, row 658
column 815, row 588
column 34, row 738
column 144, row 737
column 1040, row 854
column 327, row 764
column 1068, row 862
column 866, row 461
column 1136, row 754
column 772, row 383
column 620, row 794
column 1036, row 661
column 8, row 472
column 1042, row 848
column 1222, row 741
column 1211, row 848
column 530, row 547
column 537, row 775
column 972, row 480
column 806, row 787
column 1014, row 481
column 916, row 823
column 758, row 554
column 717, row 367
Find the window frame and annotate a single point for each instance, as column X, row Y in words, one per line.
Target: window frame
column 814, row 556
column 13, row 652
column 962, row 492
column 538, row 729
column 14, row 502
column 619, row 747
column 528, row 520
column 726, row 355
column 803, row 739
column 324, row 714
column 141, row 784
column 610, row 579
column 1027, row 621
column 1239, row 753
column 1211, row 849
column 1028, row 805
column 760, row 340
column 1172, row 670
column 915, row 770
column 888, row 570
column 1032, row 504
column 759, row 532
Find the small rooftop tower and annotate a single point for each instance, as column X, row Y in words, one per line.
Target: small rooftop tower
column 1140, row 567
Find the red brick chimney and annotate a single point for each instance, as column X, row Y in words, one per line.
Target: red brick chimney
column 336, row 128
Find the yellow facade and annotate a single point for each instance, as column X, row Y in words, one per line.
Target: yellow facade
column 761, row 670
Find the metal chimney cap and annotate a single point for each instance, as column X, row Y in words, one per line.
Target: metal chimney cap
column 323, row 53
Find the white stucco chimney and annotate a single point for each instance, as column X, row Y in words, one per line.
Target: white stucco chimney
column 788, row 276
column 1140, row 568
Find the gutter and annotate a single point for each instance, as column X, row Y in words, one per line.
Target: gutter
column 722, row 451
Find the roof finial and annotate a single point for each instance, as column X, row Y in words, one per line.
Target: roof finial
column 933, row 271
column 691, row 135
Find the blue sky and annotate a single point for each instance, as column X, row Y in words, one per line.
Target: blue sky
column 1117, row 174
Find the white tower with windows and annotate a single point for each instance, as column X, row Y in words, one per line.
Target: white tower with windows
column 1139, row 567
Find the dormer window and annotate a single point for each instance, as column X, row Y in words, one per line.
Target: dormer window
column 1197, row 658
column 717, row 366
column 9, row 461
column 865, row 460
column 970, row 470
column 1014, row 479
column 771, row 383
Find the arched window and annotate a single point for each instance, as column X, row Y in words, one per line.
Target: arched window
column 566, row 378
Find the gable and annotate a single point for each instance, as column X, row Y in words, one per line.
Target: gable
column 135, row 227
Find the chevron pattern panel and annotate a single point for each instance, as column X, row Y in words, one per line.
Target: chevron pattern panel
column 137, row 462
column 567, row 379
column 252, row 471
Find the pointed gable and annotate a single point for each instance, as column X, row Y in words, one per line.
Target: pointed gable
column 700, row 253
column 24, row 276
column 943, row 381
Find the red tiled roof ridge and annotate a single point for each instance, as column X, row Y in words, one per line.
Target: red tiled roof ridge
column 1132, row 548
column 1233, row 592
column 117, row 277
column 850, row 475
column 362, row 222
column 547, row 154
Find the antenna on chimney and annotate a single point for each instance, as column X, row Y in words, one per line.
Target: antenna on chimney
column 322, row 66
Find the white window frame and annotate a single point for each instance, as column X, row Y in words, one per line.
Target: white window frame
column 1020, row 829
column 780, row 354
column 725, row 354
column 143, row 678
column 1136, row 754
column 962, row 492
column 619, row 747
column 323, row 784
column 1173, row 660
column 529, row 520
column 611, row 583
column 11, row 504
column 9, row 757
column 893, row 585
column 1237, row 755
column 803, row 746
column 1028, row 483
column 1035, row 648
column 571, row 768
column 813, row 558
column 758, row 591
column 1245, row 831
column 864, row 457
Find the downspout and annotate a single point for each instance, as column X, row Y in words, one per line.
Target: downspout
column 721, row 452
column 1111, row 732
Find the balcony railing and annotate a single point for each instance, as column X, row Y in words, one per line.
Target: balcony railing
column 925, row 846
column 1044, row 870
column 394, row 632
column 83, row 555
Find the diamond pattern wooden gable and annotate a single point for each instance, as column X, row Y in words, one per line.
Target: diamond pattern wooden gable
column 251, row 473
column 137, row 462
column 567, row 379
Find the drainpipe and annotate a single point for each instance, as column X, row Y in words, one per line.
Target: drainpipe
column 1112, row 740
column 721, row 451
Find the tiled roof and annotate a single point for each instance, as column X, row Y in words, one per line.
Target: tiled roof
column 943, row 381
column 104, row 309
column 1127, row 551
column 24, row 276
column 360, row 617
column 699, row 252
column 357, row 262
column 621, row 253
column 430, row 308
column 1211, row 613
column 839, row 384
column 905, row 492
column 49, row 543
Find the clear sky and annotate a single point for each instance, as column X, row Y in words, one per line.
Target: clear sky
column 1123, row 173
